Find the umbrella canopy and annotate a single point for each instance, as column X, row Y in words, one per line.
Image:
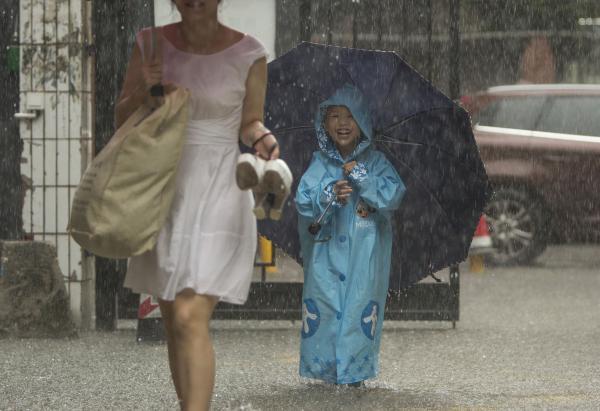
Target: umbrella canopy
column 424, row 134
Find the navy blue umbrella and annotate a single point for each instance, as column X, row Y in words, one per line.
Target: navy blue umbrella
column 426, row 136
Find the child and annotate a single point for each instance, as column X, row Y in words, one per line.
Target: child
column 347, row 263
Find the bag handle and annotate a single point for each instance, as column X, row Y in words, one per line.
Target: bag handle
column 152, row 48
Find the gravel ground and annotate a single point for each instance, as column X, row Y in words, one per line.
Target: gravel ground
column 528, row 338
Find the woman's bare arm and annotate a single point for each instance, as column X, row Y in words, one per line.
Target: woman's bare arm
column 252, row 127
column 133, row 93
column 141, row 75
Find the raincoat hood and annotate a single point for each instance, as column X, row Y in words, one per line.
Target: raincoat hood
column 354, row 100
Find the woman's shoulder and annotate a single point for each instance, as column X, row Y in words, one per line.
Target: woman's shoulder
column 232, row 37
column 253, row 42
column 251, row 47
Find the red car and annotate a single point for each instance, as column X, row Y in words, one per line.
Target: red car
column 541, row 148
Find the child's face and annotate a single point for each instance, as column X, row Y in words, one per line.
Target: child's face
column 342, row 129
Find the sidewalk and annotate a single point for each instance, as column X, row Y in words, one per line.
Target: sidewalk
column 528, row 338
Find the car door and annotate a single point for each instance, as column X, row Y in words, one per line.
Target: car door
column 569, row 131
column 502, row 130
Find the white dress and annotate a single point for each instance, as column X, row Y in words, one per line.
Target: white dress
column 208, row 242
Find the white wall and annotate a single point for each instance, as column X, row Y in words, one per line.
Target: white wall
column 255, row 17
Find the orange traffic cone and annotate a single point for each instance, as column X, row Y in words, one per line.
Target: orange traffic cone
column 481, row 245
column 150, row 326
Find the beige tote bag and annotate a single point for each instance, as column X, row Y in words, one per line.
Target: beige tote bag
column 125, row 194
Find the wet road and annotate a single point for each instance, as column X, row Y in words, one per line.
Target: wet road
column 528, row 338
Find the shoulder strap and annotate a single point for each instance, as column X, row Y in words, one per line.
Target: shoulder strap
column 152, row 51
column 152, row 44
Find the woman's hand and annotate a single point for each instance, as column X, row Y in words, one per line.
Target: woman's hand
column 343, row 191
column 267, row 148
column 141, row 75
column 151, row 73
column 152, row 76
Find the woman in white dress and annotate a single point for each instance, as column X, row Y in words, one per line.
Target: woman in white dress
column 205, row 251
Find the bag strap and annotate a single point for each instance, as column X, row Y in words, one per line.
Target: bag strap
column 151, row 44
column 152, row 51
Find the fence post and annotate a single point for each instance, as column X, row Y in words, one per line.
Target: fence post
column 114, row 26
column 305, row 23
column 11, row 145
column 454, row 50
column 455, row 290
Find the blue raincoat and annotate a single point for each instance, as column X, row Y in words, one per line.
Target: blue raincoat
column 347, row 264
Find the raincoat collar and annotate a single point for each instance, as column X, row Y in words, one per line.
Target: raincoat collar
column 352, row 98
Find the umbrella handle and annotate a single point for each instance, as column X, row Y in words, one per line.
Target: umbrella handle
column 315, row 227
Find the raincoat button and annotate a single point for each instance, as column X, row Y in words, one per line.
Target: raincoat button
column 342, row 277
column 338, row 315
column 342, row 238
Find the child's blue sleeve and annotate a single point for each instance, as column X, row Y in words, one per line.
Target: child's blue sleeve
column 314, row 192
column 378, row 183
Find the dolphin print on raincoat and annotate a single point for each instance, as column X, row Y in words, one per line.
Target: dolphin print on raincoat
column 346, row 264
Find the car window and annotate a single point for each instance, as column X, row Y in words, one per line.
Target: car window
column 512, row 112
column 572, row 115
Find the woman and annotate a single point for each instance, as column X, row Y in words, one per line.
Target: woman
column 205, row 251
column 347, row 263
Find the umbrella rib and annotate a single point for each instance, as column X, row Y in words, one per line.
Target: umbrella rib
column 293, row 81
column 288, row 129
column 425, row 188
column 404, row 120
column 347, row 72
column 383, row 132
column 343, row 67
column 391, row 140
column 294, row 84
column 462, row 166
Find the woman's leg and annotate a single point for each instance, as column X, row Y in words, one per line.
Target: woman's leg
column 167, row 312
column 195, row 356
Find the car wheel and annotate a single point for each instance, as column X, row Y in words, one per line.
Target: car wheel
column 517, row 225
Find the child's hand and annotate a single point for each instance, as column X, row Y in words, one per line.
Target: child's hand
column 348, row 167
column 343, row 191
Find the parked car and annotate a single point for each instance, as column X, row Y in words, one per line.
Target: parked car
column 541, row 148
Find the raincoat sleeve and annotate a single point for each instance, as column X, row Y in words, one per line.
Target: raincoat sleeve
column 315, row 190
column 378, row 183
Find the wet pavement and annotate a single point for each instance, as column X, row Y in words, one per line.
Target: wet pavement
column 528, row 338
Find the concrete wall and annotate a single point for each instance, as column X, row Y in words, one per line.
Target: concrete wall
column 33, row 297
